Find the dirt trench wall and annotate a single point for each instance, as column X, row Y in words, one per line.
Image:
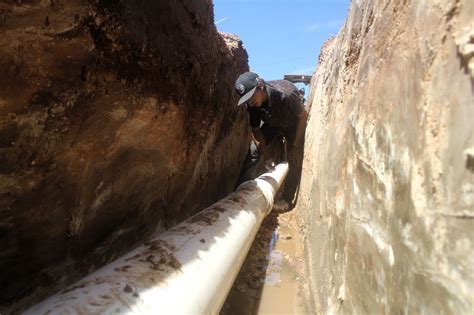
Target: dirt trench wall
column 387, row 196
column 117, row 120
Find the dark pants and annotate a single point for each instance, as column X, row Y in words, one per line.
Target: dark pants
column 254, row 165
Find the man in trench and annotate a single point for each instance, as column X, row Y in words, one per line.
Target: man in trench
column 275, row 108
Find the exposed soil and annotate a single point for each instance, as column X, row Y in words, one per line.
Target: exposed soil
column 117, row 120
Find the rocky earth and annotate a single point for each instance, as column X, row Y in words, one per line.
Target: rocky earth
column 117, row 121
column 387, row 195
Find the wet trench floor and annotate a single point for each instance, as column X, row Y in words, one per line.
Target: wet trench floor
column 270, row 280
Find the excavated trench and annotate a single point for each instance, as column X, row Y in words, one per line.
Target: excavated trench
column 118, row 121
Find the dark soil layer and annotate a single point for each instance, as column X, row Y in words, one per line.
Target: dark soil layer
column 117, row 120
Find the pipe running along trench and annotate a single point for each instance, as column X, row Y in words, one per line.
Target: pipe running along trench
column 187, row 269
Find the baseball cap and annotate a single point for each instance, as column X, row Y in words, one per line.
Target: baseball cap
column 246, row 85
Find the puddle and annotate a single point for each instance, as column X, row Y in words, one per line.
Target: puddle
column 270, row 280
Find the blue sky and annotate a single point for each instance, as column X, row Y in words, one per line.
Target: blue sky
column 281, row 36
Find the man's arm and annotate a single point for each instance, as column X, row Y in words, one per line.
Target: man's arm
column 260, row 141
column 300, row 128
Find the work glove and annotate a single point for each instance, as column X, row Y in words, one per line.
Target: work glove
column 269, row 164
column 266, row 156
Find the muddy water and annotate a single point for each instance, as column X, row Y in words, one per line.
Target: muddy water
column 270, row 281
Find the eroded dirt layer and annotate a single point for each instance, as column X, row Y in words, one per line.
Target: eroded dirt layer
column 117, row 120
column 388, row 191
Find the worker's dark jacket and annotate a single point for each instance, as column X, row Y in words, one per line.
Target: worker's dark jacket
column 282, row 108
column 280, row 116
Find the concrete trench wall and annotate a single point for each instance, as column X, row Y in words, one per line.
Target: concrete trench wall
column 116, row 122
column 387, row 195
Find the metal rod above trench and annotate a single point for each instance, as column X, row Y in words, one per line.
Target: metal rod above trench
column 187, row 269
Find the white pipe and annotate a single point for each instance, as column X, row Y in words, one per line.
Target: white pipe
column 189, row 269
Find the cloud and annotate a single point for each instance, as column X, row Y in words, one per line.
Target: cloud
column 328, row 25
column 222, row 20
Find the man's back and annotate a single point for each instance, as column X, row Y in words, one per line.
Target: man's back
column 285, row 86
column 283, row 106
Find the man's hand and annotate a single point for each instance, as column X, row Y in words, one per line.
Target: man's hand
column 269, row 165
column 260, row 141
